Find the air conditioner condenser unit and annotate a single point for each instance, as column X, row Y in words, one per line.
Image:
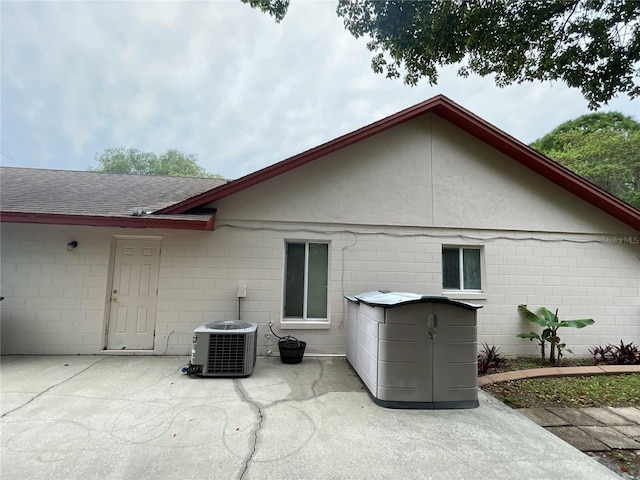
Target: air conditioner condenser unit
column 224, row 349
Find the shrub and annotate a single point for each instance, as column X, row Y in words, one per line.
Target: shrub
column 622, row 354
column 489, row 357
column 600, row 354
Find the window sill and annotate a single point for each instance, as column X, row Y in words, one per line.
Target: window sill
column 461, row 295
column 304, row 325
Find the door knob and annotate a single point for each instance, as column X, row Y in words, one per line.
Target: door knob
column 114, row 299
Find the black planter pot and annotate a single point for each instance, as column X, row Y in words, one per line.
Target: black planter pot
column 291, row 349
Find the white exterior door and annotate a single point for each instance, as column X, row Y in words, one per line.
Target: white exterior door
column 134, row 286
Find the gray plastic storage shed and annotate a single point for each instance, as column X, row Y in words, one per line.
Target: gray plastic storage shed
column 414, row 351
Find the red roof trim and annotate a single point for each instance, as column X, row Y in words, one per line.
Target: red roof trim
column 126, row 222
column 540, row 164
column 462, row 118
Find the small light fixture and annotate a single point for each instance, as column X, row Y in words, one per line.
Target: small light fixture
column 71, row 246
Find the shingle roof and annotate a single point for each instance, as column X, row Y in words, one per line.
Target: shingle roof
column 96, row 198
column 66, row 192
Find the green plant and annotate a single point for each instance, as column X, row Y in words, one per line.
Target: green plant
column 628, row 354
column 562, row 348
column 550, row 323
column 600, row 354
column 489, row 357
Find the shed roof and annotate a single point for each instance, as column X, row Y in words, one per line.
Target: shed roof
column 384, row 298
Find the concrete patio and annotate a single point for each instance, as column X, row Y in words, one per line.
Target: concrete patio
column 121, row 417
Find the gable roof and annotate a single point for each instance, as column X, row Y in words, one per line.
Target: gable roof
column 463, row 119
column 99, row 199
column 104, row 199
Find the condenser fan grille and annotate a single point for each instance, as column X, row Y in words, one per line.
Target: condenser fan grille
column 227, row 354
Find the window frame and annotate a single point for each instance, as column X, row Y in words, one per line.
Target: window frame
column 461, row 292
column 304, row 321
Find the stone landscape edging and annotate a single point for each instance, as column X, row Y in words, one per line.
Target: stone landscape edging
column 556, row 372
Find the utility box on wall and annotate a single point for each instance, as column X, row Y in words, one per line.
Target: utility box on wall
column 414, row 351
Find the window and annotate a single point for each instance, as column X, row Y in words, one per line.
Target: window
column 306, row 280
column 461, row 269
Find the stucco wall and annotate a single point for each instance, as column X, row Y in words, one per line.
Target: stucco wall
column 55, row 300
column 425, row 172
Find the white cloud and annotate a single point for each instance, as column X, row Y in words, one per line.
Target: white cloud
column 216, row 79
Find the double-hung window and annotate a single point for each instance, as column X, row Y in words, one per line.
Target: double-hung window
column 306, row 280
column 461, row 269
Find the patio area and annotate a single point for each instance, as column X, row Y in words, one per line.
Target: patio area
column 115, row 417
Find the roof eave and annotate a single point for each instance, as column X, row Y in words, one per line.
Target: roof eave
column 206, row 223
column 541, row 164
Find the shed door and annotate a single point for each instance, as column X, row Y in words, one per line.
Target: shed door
column 134, row 288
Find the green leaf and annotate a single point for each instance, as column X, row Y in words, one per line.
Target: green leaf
column 532, row 317
column 276, row 8
column 530, row 336
column 550, row 318
column 577, row 323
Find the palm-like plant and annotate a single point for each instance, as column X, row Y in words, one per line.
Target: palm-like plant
column 549, row 321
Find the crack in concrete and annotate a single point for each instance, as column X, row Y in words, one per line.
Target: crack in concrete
column 245, row 398
column 316, row 390
column 315, row 382
column 51, row 388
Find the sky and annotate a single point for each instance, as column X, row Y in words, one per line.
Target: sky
column 219, row 80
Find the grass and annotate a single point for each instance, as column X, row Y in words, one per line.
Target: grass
column 578, row 392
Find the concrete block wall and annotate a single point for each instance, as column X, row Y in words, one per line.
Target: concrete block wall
column 199, row 278
column 56, row 300
column 583, row 276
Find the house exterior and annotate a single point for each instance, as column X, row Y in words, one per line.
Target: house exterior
column 431, row 200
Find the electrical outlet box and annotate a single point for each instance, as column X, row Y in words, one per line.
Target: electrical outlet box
column 242, row 291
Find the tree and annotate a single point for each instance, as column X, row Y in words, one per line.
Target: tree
column 586, row 124
column 593, row 45
column 604, row 148
column 551, row 324
column 171, row 163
